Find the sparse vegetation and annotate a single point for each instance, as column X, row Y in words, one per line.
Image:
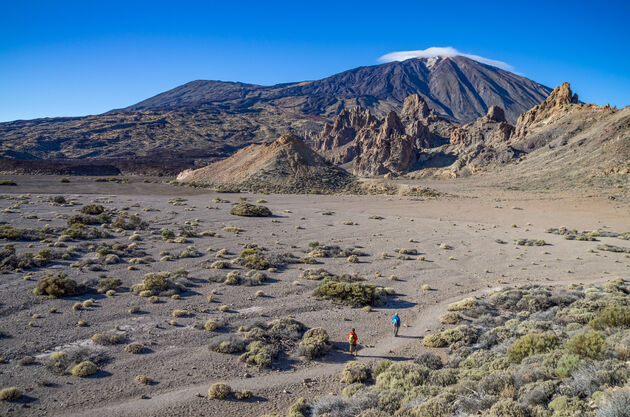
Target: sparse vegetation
column 58, row 286
column 250, row 210
column 85, row 369
column 219, row 391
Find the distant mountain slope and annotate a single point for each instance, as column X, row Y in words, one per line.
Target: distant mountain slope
column 457, row 87
column 202, row 121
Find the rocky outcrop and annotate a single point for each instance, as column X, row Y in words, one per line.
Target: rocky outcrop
column 383, row 147
column 427, row 127
column 557, row 104
column 392, row 150
column 489, row 130
column 345, row 128
column 482, row 143
column 287, row 165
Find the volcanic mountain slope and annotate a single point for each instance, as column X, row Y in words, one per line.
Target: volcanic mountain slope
column 207, row 120
column 455, row 87
column 286, row 165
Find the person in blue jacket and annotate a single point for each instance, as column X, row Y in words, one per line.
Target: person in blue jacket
column 396, row 324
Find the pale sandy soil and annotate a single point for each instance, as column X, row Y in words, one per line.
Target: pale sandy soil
column 471, row 220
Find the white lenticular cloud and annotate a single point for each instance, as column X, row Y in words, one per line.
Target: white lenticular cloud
column 436, row 51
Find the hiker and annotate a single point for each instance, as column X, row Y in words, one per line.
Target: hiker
column 396, row 324
column 352, row 339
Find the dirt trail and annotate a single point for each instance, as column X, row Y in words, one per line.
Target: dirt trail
column 427, row 320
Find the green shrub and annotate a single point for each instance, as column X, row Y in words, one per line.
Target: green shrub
column 258, row 354
column 58, row 286
column 108, row 284
column 531, row 344
column 563, row 406
column 85, row 368
column 353, row 294
column 465, row 304
column 136, row 348
column 314, row 343
column 298, row 408
column 612, row 316
column 167, row 234
column 156, row 283
column 93, row 209
column 381, row 367
column 355, row 372
column 402, row 376
column 219, row 390
column 590, row 344
column 450, row 318
column 567, row 364
column 250, row 210
column 107, row 338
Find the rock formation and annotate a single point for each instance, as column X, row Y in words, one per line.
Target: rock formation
column 392, row 150
column 558, row 103
column 286, row 165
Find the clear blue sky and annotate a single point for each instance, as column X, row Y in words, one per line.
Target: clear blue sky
column 61, row 58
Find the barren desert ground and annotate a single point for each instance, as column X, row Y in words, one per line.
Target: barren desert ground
column 458, row 245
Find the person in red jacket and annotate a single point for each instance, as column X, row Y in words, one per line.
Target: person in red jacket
column 352, row 340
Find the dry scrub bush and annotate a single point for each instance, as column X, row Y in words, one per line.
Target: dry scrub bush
column 84, row 369
column 250, row 210
column 314, row 343
column 10, row 394
column 58, row 286
column 353, row 294
column 355, row 372
column 107, row 338
column 135, row 348
column 143, row 379
column 219, row 391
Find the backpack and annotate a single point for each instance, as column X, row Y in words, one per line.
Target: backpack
column 352, row 338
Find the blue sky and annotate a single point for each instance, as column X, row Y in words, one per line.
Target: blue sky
column 71, row 58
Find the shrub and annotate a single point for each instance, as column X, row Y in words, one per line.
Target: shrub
column 402, row 376
column 212, row 325
column 355, row 372
column 314, row 343
column 10, row 394
column 107, row 338
column 616, row 403
column 430, row 360
column 258, row 354
column 143, row 379
column 250, row 210
column 612, row 316
column 244, row 395
column 136, row 348
column 353, row 259
column 316, row 274
column 85, row 368
column 563, row 406
column 219, row 390
column 450, row 318
column 228, row 344
column 589, row 344
column 567, row 364
column 7, row 182
column 155, row 283
column 531, row 344
column 58, row 286
column 167, row 234
column 507, row 408
column 381, row 367
column 93, row 209
column 353, row 294
column 465, row 304
column 298, row 408
column 108, row 284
